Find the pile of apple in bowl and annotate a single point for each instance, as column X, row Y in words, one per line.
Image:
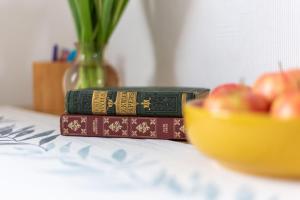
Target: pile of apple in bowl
column 251, row 129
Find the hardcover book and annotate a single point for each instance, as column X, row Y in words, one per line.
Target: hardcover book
column 126, row 127
column 151, row 102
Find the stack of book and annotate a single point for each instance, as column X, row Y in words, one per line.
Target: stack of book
column 153, row 113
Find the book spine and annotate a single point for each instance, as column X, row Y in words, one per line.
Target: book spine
column 122, row 127
column 128, row 103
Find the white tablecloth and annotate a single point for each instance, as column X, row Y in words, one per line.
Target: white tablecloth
column 37, row 163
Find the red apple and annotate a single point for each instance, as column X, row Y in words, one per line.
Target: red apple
column 287, row 106
column 271, row 85
column 236, row 101
column 229, row 88
column 294, row 74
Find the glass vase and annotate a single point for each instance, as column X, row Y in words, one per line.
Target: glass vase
column 87, row 71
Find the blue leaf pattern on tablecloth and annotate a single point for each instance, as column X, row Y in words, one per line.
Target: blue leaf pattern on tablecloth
column 65, row 148
column 107, row 168
column 84, row 152
column 174, row 185
column 160, row 177
column 119, row 155
column 23, row 133
column 47, row 139
column 43, row 134
column 211, row 191
column 50, row 146
column 6, row 130
column 244, row 193
column 10, row 136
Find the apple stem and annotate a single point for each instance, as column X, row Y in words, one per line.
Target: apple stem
column 280, row 67
column 242, row 81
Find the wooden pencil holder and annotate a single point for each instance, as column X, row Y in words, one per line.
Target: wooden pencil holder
column 48, row 95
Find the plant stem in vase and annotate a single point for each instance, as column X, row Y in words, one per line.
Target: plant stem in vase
column 95, row 21
column 91, row 68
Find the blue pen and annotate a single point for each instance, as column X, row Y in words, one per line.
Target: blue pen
column 72, row 56
column 55, row 53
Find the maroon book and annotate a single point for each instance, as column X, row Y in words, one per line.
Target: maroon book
column 122, row 127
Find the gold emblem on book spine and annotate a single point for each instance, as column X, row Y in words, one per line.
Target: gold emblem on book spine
column 110, row 103
column 126, row 103
column 124, row 120
column 153, row 134
column 106, row 133
column 65, row 131
column 143, row 127
column 152, row 121
column 83, row 119
column 177, row 135
column 74, row 125
column 99, row 102
column 146, row 103
column 83, row 131
column 133, row 121
column 134, row 133
column 176, row 122
column 124, row 133
column 181, row 128
column 115, row 127
column 65, row 119
column 106, row 120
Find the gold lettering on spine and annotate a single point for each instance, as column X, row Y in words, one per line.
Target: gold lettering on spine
column 126, row 103
column 165, row 128
column 99, row 102
column 95, row 126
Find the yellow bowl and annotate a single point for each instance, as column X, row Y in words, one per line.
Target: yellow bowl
column 249, row 142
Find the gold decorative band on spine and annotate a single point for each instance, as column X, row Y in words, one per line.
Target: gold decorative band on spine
column 126, row 103
column 183, row 100
column 99, row 102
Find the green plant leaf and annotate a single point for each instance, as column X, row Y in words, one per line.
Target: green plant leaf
column 74, row 12
column 84, row 12
column 106, row 19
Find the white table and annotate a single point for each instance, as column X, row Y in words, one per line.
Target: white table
column 101, row 168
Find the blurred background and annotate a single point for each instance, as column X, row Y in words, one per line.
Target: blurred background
column 158, row 42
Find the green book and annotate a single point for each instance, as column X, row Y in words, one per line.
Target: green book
column 132, row 101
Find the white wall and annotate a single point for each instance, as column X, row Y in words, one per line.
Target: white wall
column 28, row 30
column 158, row 42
